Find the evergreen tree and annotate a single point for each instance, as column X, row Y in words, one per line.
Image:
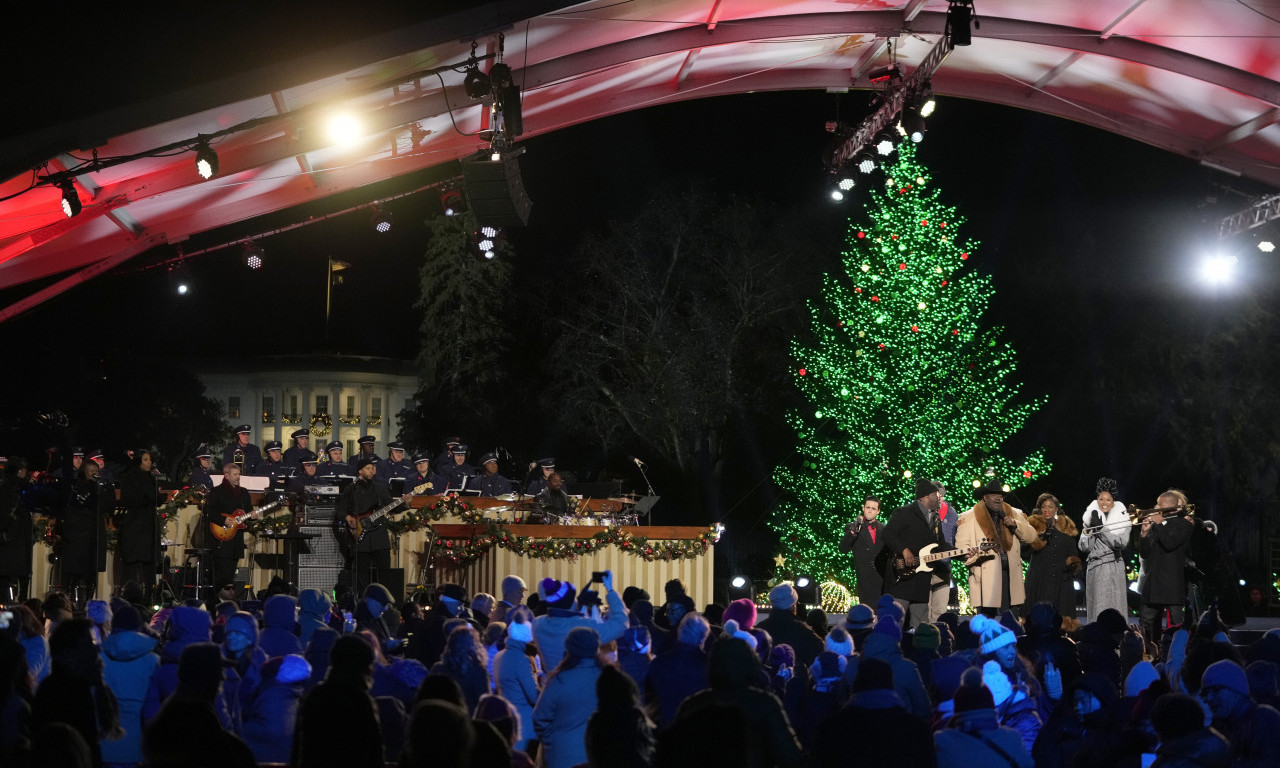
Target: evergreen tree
column 902, row 378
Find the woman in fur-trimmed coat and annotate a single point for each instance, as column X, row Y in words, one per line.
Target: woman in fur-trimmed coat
column 986, row 588
column 1054, row 558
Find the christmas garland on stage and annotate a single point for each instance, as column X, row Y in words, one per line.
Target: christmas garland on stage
column 458, row 553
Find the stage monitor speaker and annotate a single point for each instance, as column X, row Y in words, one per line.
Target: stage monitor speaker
column 496, row 190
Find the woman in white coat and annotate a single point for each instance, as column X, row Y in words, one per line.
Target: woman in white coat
column 1106, row 534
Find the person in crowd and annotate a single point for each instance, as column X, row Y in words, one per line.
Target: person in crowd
column 563, row 614
column 30, row 635
column 1044, row 643
column 186, row 731
column 1054, row 558
column 464, row 659
column 998, row 643
column 1089, row 728
column 974, row 736
column 16, row 690
column 440, row 734
column 82, row 526
column 635, row 655
column 16, row 533
column 569, row 699
column 314, row 610
column 270, row 717
column 340, row 705
column 909, row 530
column 129, row 660
column 492, row 638
column 427, row 642
column 995, row 577
column 515, row 672
column 733, row 671
column 243, row 674
column 279, row 636
column 784, row 626
column 74, row 692
column 1162, row 543
column 1103, row 541
column 242, row 452
column 498, row 712
column 619, row 733
column 885, row 643
column 1186, row 741
column 513, row 592
column 186, row 625
column 482, row 608
column 139, row 544
column 1252, row 729
column 877, row 722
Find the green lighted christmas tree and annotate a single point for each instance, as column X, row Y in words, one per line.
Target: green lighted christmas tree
column 902, row 378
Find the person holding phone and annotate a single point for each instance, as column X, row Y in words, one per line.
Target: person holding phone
column 564, row 613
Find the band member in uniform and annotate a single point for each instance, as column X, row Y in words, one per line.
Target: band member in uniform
column 554, row 499
column 77, row 459
column 228, row 499
column 491, row 483
column 1163, row 544
column 424, row 482
column 202, row 473
column 864, row 538
column 307, row 478
column 445, row 458
column 16, row 535
column 373, row 554
column 140, row 528
column 995, row 577
column 536, row 485
column 395, row 465
column 1107, row 529
column 1054, row 558
column 454, row 474
column 84, row 532
column 299, row 452
column 242, row 452
column 96, row 456
column 364, row 447
column 334, row 465
column 910, row 529
column 274, row 467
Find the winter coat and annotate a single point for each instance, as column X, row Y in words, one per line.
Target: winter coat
column 186, row 734
column 985, row 581
column 38, row 657
column 140, row 529
column 911, row 528
column 223, row 501
column 906, row 676
column 398, row 680
column 1041, row 647
column 128, row 661
column 1205, row 748
column 337, row 726
column 474, row 682
column 16, row 533
column 620, row 737
column 1021, row 713
column 884, row 733
column 550, row 630
column 240, row 684
column 1164, row 560
column 1254, row 733
column 187, row 625
column 1055, row 564
column 968, row 739
column 280, row 635
column 786, row 627
column 1105, row 578
column 770, row 739
column 313, row 613
column 268, row 722
column 865, row 540
column 561, row 715
column 82, row 526
column 673, row 677
column 513, row 675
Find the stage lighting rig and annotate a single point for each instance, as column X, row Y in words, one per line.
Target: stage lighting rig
column 71, row 205
column 206, row 160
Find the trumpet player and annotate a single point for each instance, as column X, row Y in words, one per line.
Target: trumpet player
column 1106, row 533
column 1163, row 547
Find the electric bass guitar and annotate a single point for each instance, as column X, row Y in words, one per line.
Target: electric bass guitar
column 234, row 521
column 368, row 523
column 927, row 555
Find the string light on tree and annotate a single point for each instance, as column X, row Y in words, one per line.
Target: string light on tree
column 925, row 386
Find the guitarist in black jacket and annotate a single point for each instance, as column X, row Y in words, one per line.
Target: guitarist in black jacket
column 373, row 554
column 226, row 499
column 909, row 530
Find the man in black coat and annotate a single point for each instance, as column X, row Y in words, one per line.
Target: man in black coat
column 910, row 529
column 864, row 538
column 16, row 536
column 373, row 553
column 1163, row 547
column 229, row 498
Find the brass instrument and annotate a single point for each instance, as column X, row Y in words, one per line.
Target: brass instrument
column 1139, row 516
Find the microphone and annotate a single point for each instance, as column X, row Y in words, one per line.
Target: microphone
column 638, row 462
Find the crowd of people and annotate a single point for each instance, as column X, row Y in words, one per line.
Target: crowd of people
column 561, row 677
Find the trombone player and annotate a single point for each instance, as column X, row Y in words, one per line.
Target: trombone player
column 1166, row 533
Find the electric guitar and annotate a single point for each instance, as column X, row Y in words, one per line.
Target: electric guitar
column 368, row 523
column 927, row 555
column 234, row 521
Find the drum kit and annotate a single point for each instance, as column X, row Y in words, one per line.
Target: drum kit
column 611, row 513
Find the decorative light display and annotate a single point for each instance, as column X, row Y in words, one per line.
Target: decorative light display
column 905, row 383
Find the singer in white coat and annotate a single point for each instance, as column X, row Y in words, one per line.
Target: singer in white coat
column 1106, row 532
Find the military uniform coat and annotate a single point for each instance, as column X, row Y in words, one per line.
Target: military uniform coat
column 252, row 457
column 985, row 582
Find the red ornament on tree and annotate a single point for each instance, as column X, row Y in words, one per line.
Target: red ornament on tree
column 944, row 283
column 964, row 257
column 895, row 237
column 1027, row 473
column 924, row 222
column 902, row 266
column 861, row 235
column 857, row 290
column 915, row 329
column 955, row 332
column 803, row 372
column 881, row 346
column 875, row 298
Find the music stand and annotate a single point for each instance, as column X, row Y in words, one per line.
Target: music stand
column 645, row 506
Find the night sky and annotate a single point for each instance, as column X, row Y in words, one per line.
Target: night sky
column 1094, row 242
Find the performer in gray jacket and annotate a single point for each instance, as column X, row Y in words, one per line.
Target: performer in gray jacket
column 1106, row 533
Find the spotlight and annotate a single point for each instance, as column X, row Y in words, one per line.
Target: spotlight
column 925, row 103
column 1218, row 269
column 476, row 83
column 382, row 220
column 453, row 202
column 807, row 590
column 739, row 588
column 252, row 256
column 344, row 129
column 71, row 205
column 845, row 183
column 802, row 582
column 1133, row 586
column 865, row 161
column 180, row 279
column 959, row 15
column 740, row 581
column 206, row 161
column 834, row 191
column 1266, row 246
column 489, row 232
column 486, row 245
column 885, row 143
column 913, row 125
column 1242, row 582
column 1076, row 584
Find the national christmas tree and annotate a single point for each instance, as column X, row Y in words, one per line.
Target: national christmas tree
column 903, row 374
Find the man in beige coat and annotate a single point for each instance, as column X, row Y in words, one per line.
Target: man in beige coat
column 995, row 577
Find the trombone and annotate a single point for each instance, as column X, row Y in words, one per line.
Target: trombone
column 1139, row 516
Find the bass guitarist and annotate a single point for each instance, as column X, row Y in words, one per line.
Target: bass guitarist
column 910, row 529
column 373, row 553
column 227, row 499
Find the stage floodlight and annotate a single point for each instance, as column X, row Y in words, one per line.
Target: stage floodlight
column 453, row 202
column 476, row 83
column 807, row 590
column 1218, row 269
column 252, row 256
column 865, row 161
column 740, row 587
column 206, row 161
column 834, row 192
column 71, row 205
column 925, row 102
column 382, row 220
column 1266, row 246
column 885, row 143
column 344, row 129
column 913, row 125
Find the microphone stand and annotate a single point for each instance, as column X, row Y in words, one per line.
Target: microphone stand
column 648, row 513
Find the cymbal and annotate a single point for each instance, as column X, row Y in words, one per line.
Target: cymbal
column 507, row 497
